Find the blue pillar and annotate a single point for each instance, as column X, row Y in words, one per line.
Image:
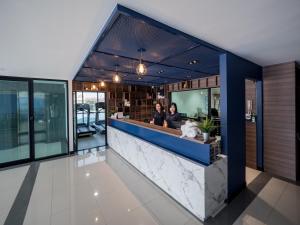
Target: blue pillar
column 233, row 71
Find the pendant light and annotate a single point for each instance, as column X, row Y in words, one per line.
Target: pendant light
column 102, row 84
column 116, row 77
column 141, row 68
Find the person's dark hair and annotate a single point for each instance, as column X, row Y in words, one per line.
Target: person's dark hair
column 161, row 107
column 175, row 106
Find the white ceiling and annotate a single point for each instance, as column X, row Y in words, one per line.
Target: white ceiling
column 51, row 38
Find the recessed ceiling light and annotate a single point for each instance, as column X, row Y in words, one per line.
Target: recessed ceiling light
column 161, row 71
column 96, row 193
column 139, row 78
column 193, row 62
column 87, row 174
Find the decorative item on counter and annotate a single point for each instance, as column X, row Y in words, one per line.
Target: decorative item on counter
column 206, row 127
column 119, row 115
column 112, row 113
column 190, row 129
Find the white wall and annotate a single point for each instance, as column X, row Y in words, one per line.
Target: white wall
column 50, row 38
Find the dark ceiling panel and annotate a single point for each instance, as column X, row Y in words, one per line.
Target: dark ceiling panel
column 167, row 56
column 206, row 60
column 129, row 34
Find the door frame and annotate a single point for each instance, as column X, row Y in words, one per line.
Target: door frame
column 258, row 123
column 74, row 99
column 32, row 158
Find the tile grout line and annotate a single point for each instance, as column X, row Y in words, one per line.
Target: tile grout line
column 18, row 210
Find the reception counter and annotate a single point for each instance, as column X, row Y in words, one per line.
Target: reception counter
column 181, row 167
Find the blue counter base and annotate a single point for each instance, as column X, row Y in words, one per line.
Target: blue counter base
column 190, row 149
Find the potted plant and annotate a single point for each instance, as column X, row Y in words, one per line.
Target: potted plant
column 206, row 127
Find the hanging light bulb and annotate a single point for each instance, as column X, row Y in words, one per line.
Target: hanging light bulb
column 116, row 77
column 141, row 68
column 102, row 84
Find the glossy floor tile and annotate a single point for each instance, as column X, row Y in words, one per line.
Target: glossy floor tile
column 10, row 183
column 91, row 141
column 251, row 174
column 99, row 187
column 277, row 204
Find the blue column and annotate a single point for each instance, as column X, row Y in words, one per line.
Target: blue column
column 233, row 71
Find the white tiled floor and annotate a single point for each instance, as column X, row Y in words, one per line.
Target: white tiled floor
column 10, row 183
column 98, row 188
column 277, row 204
column 251, row 174
column 101, row 188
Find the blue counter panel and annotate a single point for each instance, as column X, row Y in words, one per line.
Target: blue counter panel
column 190, row 149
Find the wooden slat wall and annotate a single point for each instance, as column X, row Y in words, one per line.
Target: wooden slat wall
column 250, row 94
column 251, row 145
column 279, row 120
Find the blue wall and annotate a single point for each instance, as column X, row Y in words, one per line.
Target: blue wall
column 233, row 71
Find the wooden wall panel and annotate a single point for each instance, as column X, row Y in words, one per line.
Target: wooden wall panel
column 279, row 120
column 212, row 81
column 195, row 83
column 251, row 145
column 251, row 151
column 203, row 82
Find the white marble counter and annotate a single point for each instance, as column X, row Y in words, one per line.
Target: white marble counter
column 199, row 188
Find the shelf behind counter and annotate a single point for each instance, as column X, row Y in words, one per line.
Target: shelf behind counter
column 167, row 138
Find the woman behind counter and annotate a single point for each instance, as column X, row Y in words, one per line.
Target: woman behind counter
column 159, row 115
column 173, row 117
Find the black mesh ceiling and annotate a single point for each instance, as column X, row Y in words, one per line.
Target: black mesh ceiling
column 168, row 52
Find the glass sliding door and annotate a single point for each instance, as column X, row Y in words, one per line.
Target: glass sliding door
column 92, row 120
column 14, row 121
column 50, row 118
